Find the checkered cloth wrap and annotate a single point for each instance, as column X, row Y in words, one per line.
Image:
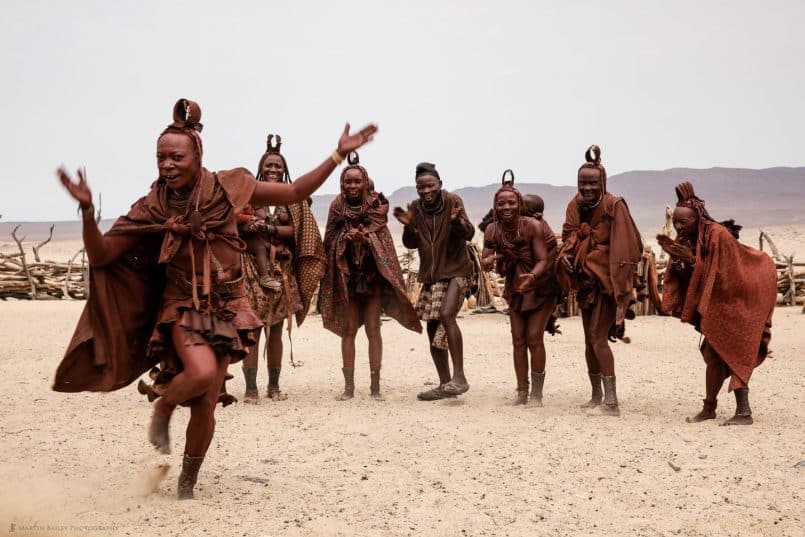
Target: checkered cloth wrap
column 430, row 302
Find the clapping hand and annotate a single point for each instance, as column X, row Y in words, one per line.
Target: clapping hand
column 404, row 216
column 677, row 250
column 79, row 190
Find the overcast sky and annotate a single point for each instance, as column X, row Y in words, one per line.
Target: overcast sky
column 475, row 87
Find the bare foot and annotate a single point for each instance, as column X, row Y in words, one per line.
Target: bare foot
column 251, row 397
column 610, row 410
column 705, row 414
column 739, row 420
column 378, row 397
column 346, row 396
column 520, row 398
column 534, row 403
column 158, row 430
column 592, row 403
column 275, row 394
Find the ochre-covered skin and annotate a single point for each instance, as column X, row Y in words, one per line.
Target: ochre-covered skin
column 523, row 248
column 601, row 247
column 171, row 270
column 362, row 277
column 727, row 291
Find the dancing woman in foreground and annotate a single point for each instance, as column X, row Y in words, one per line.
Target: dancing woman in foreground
column 167, row 284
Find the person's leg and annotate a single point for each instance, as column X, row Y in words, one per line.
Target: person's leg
column 274, row 350
column 603, row 317
column 441, row 358
column 199, row 374
column 451, row 303
column 518, row 322
column 535, row 335
column 200, row 430
column 715, row 373
column 743, row 412
column 442, row 362
column 351, row 318
column 372, row 310
column 593, row 370
column 249, row 367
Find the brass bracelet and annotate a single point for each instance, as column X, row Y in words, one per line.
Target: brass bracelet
column 337, row 158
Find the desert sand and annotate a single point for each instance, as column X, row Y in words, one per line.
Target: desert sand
column 79, row 464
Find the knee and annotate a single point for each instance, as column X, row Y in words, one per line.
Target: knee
column 534, row 340
column 203, row 375
column 518, row 340
column 372, row 330
column 447, row 317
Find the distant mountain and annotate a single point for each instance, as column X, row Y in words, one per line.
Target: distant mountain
column 753, row 198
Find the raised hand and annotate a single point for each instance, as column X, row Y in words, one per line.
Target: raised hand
column 676, row 250
column 350, row 142
column 404, row 216
column 455, row 212
column 79, row 190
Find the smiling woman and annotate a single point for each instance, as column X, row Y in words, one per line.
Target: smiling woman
column 168, row 276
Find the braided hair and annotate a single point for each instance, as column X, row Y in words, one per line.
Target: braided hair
column 273, row 149
column 500, row 237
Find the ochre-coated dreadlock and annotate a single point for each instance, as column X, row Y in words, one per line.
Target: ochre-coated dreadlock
column 273, row 149
column 187, row 121
column 593, row 161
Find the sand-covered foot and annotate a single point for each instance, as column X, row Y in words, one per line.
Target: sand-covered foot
column 158, row 430
column 520, row 398
column 251, row 397
column 705, row 414
column 738, row 419
column 610, row 410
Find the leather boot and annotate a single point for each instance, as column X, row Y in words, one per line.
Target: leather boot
column 188, row 477
column 374, row 388
column 537, row 381
column 708, row 412
column 349, row 384
column 610, row 407
column 274, row 392
column 250, row 376
column 598, row 394
column 743, row 413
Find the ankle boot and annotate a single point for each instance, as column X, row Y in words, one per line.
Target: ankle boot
column 743, row 413
column 250, row 376
column 610, row 407
column 374, row 388
column 188, row 477
column 708, row 412
column 349, row 383
column 274, row 391
column 537, row 381
column 598, row 394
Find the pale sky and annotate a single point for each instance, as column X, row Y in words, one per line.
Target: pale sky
column 475, row 87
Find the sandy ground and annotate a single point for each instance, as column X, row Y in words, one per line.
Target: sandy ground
column 78, row 464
